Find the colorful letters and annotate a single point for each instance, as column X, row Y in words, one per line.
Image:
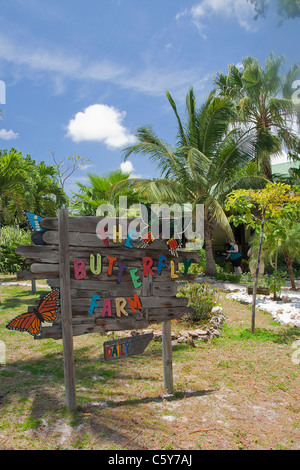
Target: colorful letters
column 96, row 264
column 117, row 350
column 120, row 304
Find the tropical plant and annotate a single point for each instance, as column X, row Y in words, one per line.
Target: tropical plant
column 257, row 208
column 27, row 185
column 13, row 174
column 201, row 298
column 11, row 237
column 287, row 9
column 202, row 168
column 46, row 194
column 92, row 195
column 264, row 105
column 284, row 239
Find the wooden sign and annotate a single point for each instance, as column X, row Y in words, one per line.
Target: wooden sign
column 114, row 283
column 103, row 279
column 124, row 347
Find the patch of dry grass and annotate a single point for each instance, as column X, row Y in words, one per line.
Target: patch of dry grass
column 238, row 391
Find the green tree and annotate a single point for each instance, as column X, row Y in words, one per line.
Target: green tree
column 13, row 174
column 283, row 238
column 257, row 208
column 97, row 192
column 45, row 193
column 204, row 165
column 264, row 104
column 287, row 9
column 27, row 185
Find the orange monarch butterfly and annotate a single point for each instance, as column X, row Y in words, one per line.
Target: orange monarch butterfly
column 31, row 321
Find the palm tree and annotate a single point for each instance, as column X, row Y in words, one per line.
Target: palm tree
column 46, row 194
column 288, row 246
column 264, row 104
column 13, row 174
column 97, row 192
column 203, row 167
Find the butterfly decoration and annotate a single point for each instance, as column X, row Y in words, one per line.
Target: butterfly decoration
column 177, row 238
column 33, row 222
column 46, row 311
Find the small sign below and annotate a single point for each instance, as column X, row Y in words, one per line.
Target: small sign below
column 123, row 347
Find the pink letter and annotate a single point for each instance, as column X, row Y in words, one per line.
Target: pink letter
column 79, row 271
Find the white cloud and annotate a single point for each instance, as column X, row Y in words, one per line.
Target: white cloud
column 126, row 167
column 100, row 123
column 59, row 65
column 241, row 10
column 8, row 135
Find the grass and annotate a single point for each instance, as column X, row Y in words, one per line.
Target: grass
column 238, row 391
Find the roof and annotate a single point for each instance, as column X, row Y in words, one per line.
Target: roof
column 283, row 168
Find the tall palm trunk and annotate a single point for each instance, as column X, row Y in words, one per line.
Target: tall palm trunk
column 210, row 267
column 289, row 262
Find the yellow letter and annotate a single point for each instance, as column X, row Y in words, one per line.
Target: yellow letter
column 173, row 275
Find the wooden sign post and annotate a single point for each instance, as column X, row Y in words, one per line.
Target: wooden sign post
column 66, row 308
column 104, row 280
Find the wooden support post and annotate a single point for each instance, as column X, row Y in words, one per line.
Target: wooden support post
column 66, row 308
column 167, row 356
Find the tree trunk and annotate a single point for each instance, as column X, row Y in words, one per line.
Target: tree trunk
column 257, row 273
column 210, row 268
column 289, row 263
column 276, row 265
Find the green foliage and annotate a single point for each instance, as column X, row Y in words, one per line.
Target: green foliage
column 11, row 237
column 27, row 185
column 287, row 9
column 263, row 101
column 201, row 297
column 195, row 268
column 98, row 191
column 204, row 165
column 275, row 281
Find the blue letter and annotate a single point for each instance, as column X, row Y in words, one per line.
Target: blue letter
column 161, row 263
column 94, row 304
column 129, row 238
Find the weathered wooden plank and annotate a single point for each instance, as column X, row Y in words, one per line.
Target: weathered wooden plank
column 55, row 331
column 91, row 240
column 28, row 276
column 123, row 347
column 66, row 308
column 167, row 356
column 83, row 304
column 50, row 254
column 86, row 224
column 125, row 288
column 53, row 269
column 40, row 253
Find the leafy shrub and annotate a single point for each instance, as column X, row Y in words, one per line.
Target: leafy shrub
column 274, row 281
column 195, row 268
column 201, row 297
column 11, row 237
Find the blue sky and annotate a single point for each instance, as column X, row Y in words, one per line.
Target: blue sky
column 81, row 77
